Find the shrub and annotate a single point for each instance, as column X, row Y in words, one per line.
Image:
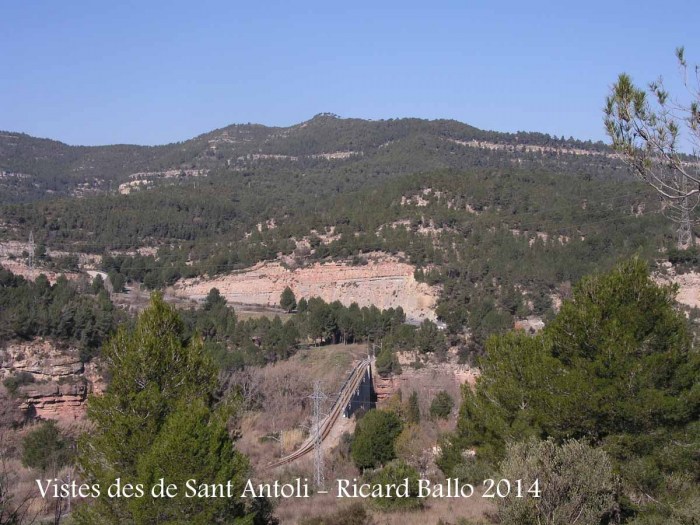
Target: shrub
column 354, row 514
column 13, row 383
column 45, row 448
column 576, row 481
column 373, row 444
column 442, row 405
column 387, row 362
column 394, row 474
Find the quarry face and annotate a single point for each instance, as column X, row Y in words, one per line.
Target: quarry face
column 383, row 283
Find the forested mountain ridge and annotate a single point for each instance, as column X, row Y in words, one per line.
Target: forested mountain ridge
column 499, row 228
column 498, row 220
column 33, row 168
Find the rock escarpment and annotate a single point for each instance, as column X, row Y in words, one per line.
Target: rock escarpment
column 433, row 375
column 54, row 382
column 383, row 283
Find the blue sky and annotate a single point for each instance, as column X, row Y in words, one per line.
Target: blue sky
column 89, row 72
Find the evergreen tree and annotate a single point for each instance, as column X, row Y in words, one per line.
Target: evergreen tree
column 442, row 405
column 98, row 284
column 118, row 281
column 214, row 300
column 158, row 419
column 44, row 448
column 373, row 444
column 387, row 362
column 429, row 338
column 413, row 412
column 287, row 299
column 616, row 367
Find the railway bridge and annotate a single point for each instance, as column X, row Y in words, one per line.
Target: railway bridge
column 356, row 393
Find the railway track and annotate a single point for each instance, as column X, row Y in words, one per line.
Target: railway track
column 327, row 424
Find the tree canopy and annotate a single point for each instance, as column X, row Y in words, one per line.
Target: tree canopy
column 159, row 419
column 373, row 444
column 287, row 299
column 659, row 137
column 615, row 367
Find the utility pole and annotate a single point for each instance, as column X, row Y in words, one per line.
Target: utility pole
column 318, row 397
column 31, row 250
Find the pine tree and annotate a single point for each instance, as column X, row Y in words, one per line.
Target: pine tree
column 442, row 405
column 616, row 367
column 413, row 413
column 214, row 300
column 287, row 300
column 158, row 419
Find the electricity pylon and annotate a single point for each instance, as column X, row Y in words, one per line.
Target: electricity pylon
column 31, row 250
column 318, row 397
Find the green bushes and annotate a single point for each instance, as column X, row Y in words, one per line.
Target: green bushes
column 615, row 367
column 45, row 448
column 387, row 362
column 429, row 339
column 560, row 485
column 396, row 473
column 13, row 382
column 442, row 405
column 375, row 434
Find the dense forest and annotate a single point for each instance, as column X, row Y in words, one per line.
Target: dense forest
column 506, row 226
column 500, row 242
column 350, row 152
column 79, row 313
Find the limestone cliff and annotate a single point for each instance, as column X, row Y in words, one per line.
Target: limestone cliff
column 385, row 283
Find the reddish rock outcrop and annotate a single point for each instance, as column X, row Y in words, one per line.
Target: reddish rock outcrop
column 448, row 375
column 384, row 386
column 59, row 381
column 61, row 402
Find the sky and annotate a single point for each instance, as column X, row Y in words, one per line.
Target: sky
column 87, row 72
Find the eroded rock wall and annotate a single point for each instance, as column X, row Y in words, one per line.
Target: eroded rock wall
column 385, row 284
column 60, row 382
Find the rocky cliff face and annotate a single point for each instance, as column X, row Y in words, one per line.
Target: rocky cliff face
column 42, row 359
column 432, row 376
column 55, row 382
column 60, row 402
column 384, row 283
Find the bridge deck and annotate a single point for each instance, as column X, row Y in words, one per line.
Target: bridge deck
column 327, row 424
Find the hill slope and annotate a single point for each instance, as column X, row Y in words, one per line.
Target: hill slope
column 35, row 168
column 502, row 222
